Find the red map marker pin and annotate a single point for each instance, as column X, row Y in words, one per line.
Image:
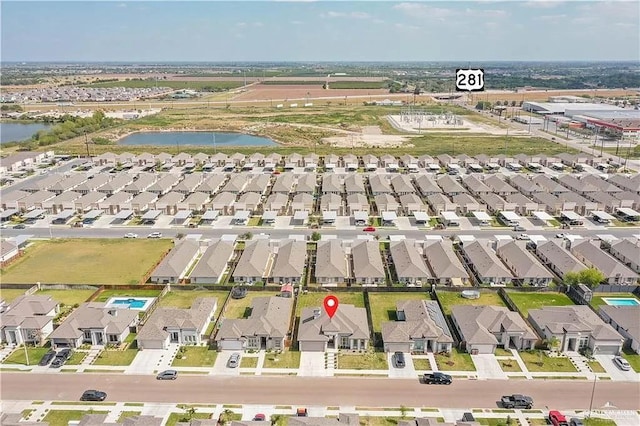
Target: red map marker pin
column 331, row 305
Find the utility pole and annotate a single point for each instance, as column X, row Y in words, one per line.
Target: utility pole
column 86, row 142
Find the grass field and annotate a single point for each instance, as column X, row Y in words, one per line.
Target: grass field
column 8, row 294
column 108, row 294
column 63, row 417
column 367, row 361
column 116, row 357
column 452, row 298
column 383, row 306
column 93, row 261
column 196, row 356
column 527, row 301
column 316, row 300
column 456, row 360
column 18, row 356
column 241, row 308
column 174, row 418
column 68, row 297
column 537, row 361
column 286, row 359
column 185, row 298
column 194, row 85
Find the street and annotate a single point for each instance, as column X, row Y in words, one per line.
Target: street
column 570, row 394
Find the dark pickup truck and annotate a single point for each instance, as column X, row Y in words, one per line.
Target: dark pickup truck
column 517, row 401
column 437, row 379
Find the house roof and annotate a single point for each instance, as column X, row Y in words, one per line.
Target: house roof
column 348, row 320
column 343, row 419
column 475, row 185
column 258, row 184
column 499, row 185
column 407, row 261
column 386, row 202
column 411, row 200
column 402, row 184
column 177, row 260
column 211, row 183
column 379, row 184
column 626, row 318
column 422, row 319
column 196, row 317
column 254, row 259
column 427, row 184
column 118, row 182
column 449, row 185
column 165, row 183
column 367, row 262
column 330, row 260
column 601, row 260
column 306, row 183
column 629, row 248
column 214, row 260
column 480, row 324
column 354, row 183
column 95, row 315
column 144, row 198
column 358, row 198
column 549, row 185
column 284, row 183
column 521, row 262
column 332, row 183
column 236, row 183
column 562, row 259
column 484, row 260
column 443, row 260
column 189, row 183
column 290, row 260
column 224, row 199
column 28, row 311
column 561, row 319
column 270, row 316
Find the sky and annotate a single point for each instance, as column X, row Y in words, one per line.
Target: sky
column 220, row 31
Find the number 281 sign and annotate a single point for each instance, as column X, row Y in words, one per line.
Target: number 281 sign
column 469, row 79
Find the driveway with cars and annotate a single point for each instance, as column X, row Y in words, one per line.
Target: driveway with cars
column 221, row 366
column 408, row 371
column 614, row 371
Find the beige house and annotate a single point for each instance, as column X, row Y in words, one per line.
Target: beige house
column 348, row 329
column 28, row 319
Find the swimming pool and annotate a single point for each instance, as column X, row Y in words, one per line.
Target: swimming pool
column 621, row 301
column 135, row 303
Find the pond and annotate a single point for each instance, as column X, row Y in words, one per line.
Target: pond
column 13, row 132
column 194, row 138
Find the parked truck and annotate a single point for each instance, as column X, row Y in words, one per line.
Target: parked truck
column 517, row 401
column 437, row 379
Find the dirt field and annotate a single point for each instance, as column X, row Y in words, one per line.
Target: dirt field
column 543, row 95
column 302, row 92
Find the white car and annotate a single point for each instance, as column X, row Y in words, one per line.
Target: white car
column 622, row 363
column 523, row 237
column 155, row 235
column 131, row 235
column 560, row 235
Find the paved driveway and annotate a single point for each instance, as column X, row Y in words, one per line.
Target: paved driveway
column 149, row 360
column 488, row 367
column 312, row 364
column 612, row 369
column 409, row 371
column 220, row 366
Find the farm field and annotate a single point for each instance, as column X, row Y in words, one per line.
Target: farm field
column 208, row 86
column 94, row 261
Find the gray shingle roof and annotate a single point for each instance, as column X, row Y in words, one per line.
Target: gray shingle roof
column 254, row 259
column 330, row 260
column 443, row 260
column 522, row 263
column 194, row 318
column 290, row 260
column 407, row 261
column 177, row 260
column 601, row 260
column 348, row 320
column 270, row 316
column 367, row 262
column 626, row 317
column 485, row 261
column 214, row 260
column 423, row 319
column 94, row 315
column 28, row 311
column 559, row 319
column 480, row 324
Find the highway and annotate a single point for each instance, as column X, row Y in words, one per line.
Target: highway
column 301, row 391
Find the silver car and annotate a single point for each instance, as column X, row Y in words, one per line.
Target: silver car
column 234, row 360
column 621, row 363
column 167, row 375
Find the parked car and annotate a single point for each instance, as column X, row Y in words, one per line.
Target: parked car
column 65, row 353
column 517, row 401
column 167, row 375
column 519, row 228
column 130, row 235
column 561, row 235
column 57, row 362
column 468, row 417
column 234, row 360
column 398, row 360
column 93, row 395
column 302, row 412
column 47, row 358
column 155, row 235
column 524, row 237
column 621, row 363
column 557, row 419
column 576, row 422
column 259, row 417
column 437, row 378
column 369, row 229
column 19, row 226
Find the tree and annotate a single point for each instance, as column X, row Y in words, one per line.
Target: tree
column 315, row 236
column 590, row 277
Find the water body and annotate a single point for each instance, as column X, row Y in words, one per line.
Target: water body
column 12, row 132
column 194, row 138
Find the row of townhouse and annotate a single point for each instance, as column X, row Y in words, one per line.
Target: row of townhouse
column 420, row 327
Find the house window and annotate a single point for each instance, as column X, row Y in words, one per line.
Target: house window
column 252, row 342
column 113, row 338
column 87, row 335
column 583, row 343
column 344, row 342
column 276, row 343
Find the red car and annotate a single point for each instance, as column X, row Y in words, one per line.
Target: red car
column 259, row 417
column 557, row 419
column 369, row 229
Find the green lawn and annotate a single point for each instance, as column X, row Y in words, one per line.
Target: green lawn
column 195, row 356
column 496, row 421
column 526, row 301
column 18, row 356
column 68, row 297
column 249, row 362
column 63, row 417
column 8, row 294
column 383, row 306
column 421, row 364
column 502, row 352
column 76, row 358
column 108, row 294
column 633, row 358
column 596, row 367
column 286, row 359
column 127, row 414
column 537, row 361
column 456, row 360
column 174, row 418
column 116, row 357
column 509, row 365
column 94, row 261
column 185, row 298
column 241, row 308
column 452, row 298
column 597, row 301
column 365, row 361
column 315, row 299
column 595, row 421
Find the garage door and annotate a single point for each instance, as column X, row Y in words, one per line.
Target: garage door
column 608, row 350
column 312, row 346
column 480, row 349
column 396, row 347
column 152, row 344
column 230, row 345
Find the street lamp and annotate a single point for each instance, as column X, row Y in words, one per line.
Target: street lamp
column 595, row 378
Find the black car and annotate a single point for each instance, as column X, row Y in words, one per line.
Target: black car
column 398, row 360
column 47, row 358
column 65, row 354
column 57, row 362
column 93, row 395
column 19, row 226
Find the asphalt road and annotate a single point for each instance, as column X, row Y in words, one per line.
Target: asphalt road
column 300, row 391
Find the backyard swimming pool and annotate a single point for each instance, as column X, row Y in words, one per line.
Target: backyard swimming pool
column 621, row 301
column 135, row 303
